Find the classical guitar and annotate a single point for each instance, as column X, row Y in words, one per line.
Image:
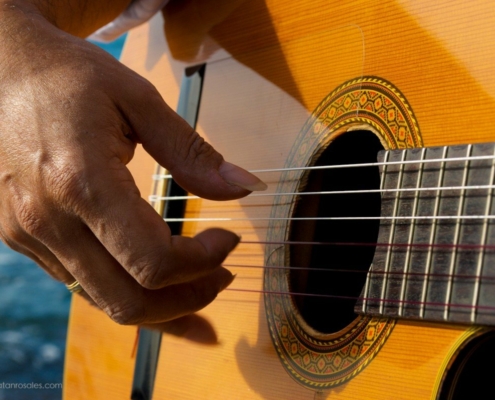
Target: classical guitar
column 366, row 270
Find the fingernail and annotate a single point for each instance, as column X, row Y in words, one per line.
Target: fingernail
column 240, row 177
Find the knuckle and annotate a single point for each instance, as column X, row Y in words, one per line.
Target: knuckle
column 31, row 219
column 148, row 92
column 12, row 238
column 151, row 91
column 199, row 148
column 126, row 313
column 194, row 149
column 151, row 266
column 150, row 275
column 147, row 89
column 147, row 279
column 69, row 185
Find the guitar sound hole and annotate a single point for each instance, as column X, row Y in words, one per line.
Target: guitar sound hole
column 470, row 375
column 335, row 271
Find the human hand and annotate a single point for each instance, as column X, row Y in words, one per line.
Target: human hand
column 70, row 118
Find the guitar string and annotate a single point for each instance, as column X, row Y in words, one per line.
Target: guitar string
column 370, row 272
column 403, row 245
column 380, row 218
column 399, row 190
column 447, row 246
column 335, row 192
column 361, row 165
column 370, row 299
column 385, row 273
column 357, row 271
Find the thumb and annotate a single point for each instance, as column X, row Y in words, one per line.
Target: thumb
column 194, row 164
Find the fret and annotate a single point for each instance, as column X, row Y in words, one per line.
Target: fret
column 457, row 230
column 389, row 286
column 483, row 241
column 412, row 229
column 422, row 232
column 374, row 280
column 400, row 232
column 446, row 234
column 471, row 233
column 433, row 228
column 486, row 295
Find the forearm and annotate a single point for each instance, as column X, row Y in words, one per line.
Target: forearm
column 78, row 17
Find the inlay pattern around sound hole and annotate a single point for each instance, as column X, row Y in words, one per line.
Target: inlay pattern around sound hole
column 318, row 348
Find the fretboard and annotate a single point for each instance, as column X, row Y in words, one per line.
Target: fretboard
column 435, row 256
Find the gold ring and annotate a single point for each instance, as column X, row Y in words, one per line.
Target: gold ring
column 74, row 287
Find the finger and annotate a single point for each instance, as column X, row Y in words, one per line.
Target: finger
column 21, row 242
column 18, row 240
column 121, row 297
column 194, row 164
column 138, row 238
column 41, row 255
column 191, row 327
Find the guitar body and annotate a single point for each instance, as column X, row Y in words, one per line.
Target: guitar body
column 270, row 64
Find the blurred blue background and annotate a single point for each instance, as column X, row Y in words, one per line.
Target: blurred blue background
column 34, row 311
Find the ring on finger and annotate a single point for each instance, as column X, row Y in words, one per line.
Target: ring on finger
column 74, row 287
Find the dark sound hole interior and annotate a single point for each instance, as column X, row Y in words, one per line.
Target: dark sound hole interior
column 470, row 375
column 336, row 270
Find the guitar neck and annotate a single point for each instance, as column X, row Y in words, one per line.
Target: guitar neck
column 434, row 257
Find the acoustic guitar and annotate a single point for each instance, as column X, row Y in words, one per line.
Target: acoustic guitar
column 366, row 270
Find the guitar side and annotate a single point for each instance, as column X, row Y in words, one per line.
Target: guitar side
column 421, row 48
